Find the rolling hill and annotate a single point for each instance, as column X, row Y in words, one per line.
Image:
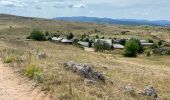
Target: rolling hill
column 114, row 21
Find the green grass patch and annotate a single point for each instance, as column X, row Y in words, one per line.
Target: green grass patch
column 32, row 70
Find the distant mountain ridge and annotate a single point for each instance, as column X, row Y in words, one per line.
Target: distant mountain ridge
column 114, row 21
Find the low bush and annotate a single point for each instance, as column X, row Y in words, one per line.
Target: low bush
column 160, row 43
column 8, row 59
column 154, row 46
column 32, row 70
column 169, row 52
column 148, row 54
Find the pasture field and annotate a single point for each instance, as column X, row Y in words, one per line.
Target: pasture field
column 66, row 85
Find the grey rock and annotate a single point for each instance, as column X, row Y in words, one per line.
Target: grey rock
column 42, row 55
column 149, row 91
column 85, row 70
column 129, row 89
column 99, row 76
column 88, row 82
column 69, row 65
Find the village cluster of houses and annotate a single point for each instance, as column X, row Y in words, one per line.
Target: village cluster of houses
column 112, row 42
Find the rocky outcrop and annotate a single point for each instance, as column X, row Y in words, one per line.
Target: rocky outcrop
column 85, row 70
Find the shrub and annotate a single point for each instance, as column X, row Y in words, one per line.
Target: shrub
column 141, row 48
column 28, row 37
column 122, row 41
column 70, row 36
column 37, row 35
column 160, row 43
column 103, row 37
column 55, row 35
column 47, row 33
column 154, row 46
column 8, row 59
column 32, row 70
column 169, row 52
column 49, row 38
column 148, row 54
column 131, row 48
column 150, row 41
column 101, row 46
column 97, row 37
column 90, row 43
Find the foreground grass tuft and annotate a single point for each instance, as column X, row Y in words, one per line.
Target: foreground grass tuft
column 32, row 70
column 8, row 59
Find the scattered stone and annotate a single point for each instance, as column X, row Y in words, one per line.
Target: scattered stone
column 88, row 82
column 129, row 89
column 42, row 55
column 149, row 91
column 85, row 70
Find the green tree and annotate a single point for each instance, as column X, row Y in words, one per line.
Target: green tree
column 141, row 48
column 37, row 35
column 101, row 46
column 70, row 35
column 131, row 48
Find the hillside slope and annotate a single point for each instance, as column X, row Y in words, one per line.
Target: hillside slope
column 115, row 21
column 18, row 27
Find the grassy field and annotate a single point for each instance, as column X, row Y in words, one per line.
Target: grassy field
column 66, row 85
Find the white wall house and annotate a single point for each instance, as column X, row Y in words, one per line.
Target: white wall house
column 147, row 44
column 85, row 44
column 57, row 38
column 118, row 46
column 143, row 41
column 67, row 41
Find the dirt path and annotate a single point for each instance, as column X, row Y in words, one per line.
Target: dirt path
column 14, row 87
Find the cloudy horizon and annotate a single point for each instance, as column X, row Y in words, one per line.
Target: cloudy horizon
column 116, row 9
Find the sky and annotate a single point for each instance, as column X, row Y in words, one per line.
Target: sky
column 116, row 9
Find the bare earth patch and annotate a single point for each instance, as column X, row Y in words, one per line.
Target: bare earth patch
column 13, row 87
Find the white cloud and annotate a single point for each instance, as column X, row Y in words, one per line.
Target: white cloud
column 77, row 6
column 12, row 3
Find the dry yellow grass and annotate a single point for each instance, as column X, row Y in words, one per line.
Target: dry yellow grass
column 64, row 85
